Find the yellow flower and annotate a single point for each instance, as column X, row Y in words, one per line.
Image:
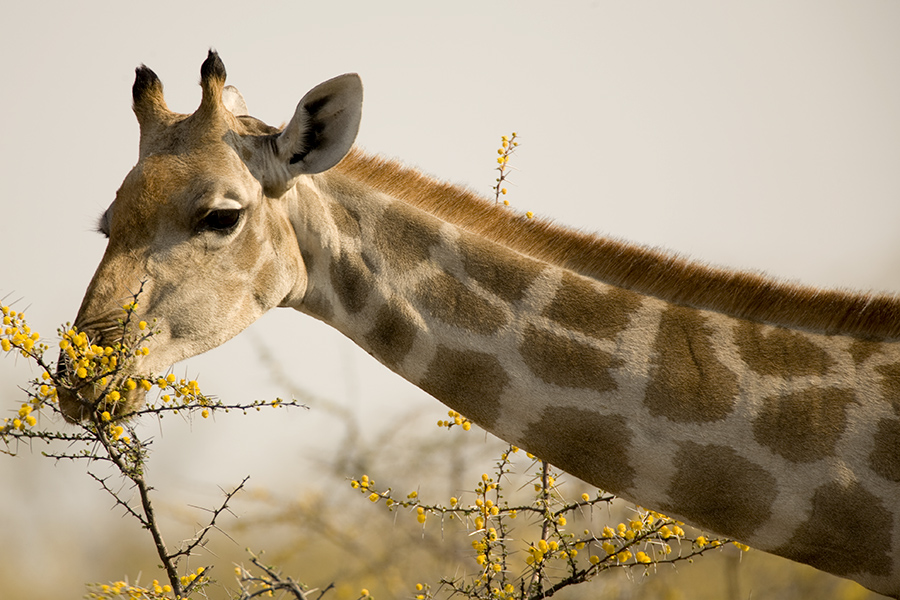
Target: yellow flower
column 594, row 559
column 608, row 548
column 204, row 413
column 105, row 416
column 142, row 325
column 642, row 557
column 585, row 497
column 701, row 541
column 374, row 497
column 81, row 372
column 529, row 214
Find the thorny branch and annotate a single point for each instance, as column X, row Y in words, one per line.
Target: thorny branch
column 272, row 582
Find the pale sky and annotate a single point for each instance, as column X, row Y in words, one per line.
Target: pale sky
column 762, row 135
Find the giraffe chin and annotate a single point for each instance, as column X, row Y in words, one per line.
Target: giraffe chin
column 83, row 401
column 81, row 406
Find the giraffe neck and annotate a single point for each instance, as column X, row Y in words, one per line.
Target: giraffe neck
column 784, row 439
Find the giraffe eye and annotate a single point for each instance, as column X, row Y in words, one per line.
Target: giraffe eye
column 222, row 220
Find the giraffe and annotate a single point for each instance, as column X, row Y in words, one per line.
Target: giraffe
column 751, row 408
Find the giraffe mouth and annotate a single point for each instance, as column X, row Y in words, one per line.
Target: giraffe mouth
column 84, row 397
column 74, row 401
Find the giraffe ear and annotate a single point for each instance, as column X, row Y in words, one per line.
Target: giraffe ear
column 234, row 101
column 323, row 127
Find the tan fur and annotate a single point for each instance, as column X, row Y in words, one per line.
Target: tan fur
column 643, row 373
column 644, row 270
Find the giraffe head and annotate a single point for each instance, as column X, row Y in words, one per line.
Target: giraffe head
column 199, row 225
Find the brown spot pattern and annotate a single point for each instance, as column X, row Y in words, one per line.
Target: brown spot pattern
column 404, row 237
column 470, row 382
column 803, row 426
column 351, row 282
column 317, row 304
column 861, row 350
column 780, row 352
column 848, row 531
column 499, row 270
column 578, row 305
column 566, row 362
column 720, row 490
column 688, row 384
column 346, row 221
column 448, row 300
column 392, row 336
column 885, row 456
column 588, row 445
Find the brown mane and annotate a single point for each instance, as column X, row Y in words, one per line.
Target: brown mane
column 644, row 270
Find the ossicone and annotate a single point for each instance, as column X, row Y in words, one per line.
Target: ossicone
column 212, row 81
column 147, row 95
